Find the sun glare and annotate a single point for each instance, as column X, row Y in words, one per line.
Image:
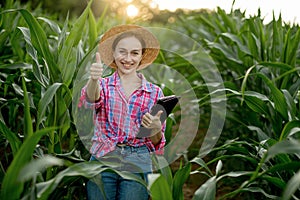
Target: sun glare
column 289, row 11
column 132, row 11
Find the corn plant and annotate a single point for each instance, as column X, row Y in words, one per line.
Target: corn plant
column 46, row 57
column 258, row 152
column 168, row 185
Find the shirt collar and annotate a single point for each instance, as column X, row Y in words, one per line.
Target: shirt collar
column 146, row 86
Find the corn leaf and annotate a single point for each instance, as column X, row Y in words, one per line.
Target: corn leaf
column 160, row 189
column 277, row 38
column 179, row 179
column 284, row 167
column 33, row 54
column 12, row 138
column 28, row 129
column 259, row 190
column 92, row 29
column 162, row 164
column 278, row 182
column 291, row 187
column 291, row 105
column 48, row 98
column 235, row 174
column 293, row 49
column 11, row 186
column 39, row 40
column 284, row 54
column 278, row 97
column 283, row 147
column 290, row 129
column 244, row 83
column 228, row 21
column 29, row 171
column 52, row 24
column 66, row 59
column 254, row 45
column 207, row 191
column 84, row 169
column 257, row 104
column 235, row 39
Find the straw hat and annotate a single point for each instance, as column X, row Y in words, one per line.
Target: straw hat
column 151, row 43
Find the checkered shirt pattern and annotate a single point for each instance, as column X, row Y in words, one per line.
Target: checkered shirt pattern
column 118, row 120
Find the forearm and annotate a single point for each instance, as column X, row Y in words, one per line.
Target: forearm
column 93, row 90
column 156, row 137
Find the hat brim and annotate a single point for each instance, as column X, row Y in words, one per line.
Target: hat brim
column 106, row 41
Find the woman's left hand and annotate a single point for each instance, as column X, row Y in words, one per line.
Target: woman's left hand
column 152, row 122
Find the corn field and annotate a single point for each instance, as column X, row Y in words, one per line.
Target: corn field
column 256, row 156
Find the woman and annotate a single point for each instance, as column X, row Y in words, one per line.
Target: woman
column 122, row 102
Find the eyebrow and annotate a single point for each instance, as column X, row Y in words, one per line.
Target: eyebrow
column 131, row 50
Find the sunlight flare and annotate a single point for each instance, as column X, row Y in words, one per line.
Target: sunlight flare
column 132, row 10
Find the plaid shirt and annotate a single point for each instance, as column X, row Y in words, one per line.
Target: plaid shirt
column 118, row 120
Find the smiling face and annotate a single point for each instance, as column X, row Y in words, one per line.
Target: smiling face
column 128, row 54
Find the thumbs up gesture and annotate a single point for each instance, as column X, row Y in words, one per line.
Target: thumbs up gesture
column 152, row 122
column 96, row 69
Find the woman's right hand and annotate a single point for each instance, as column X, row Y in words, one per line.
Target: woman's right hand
column 93, row 86
column 96, row 69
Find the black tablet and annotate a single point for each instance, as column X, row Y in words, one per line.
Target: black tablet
column 166, row 104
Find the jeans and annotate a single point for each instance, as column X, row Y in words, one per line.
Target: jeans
column 111, row 186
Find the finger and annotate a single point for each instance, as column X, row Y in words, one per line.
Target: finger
column 98, row 57
column 96, row 67
column 147, row 119
column 96, row 71
column 145, row 124
column 148, row 115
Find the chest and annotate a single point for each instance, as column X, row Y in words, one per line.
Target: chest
column 133, row 107
column 129, row 89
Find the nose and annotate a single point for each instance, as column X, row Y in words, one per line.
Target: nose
column 127, row 57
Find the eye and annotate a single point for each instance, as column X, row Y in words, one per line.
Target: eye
column 136, row 53
column 122, row 52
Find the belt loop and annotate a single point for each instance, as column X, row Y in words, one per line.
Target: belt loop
column 122, row 150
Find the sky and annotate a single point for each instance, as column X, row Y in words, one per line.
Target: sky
column 289, row 9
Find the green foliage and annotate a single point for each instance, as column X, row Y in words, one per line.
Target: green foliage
column 11, row 187
column 165, row 185
column 47, row 64
column 259, row 64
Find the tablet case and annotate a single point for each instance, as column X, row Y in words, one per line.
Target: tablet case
column 166, row 104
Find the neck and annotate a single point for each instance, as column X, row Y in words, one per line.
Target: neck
column 132, row 77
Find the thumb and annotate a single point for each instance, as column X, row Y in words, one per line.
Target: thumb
column 98, row 58
column 158, row 114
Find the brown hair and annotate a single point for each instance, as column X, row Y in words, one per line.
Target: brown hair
column 127, row 35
